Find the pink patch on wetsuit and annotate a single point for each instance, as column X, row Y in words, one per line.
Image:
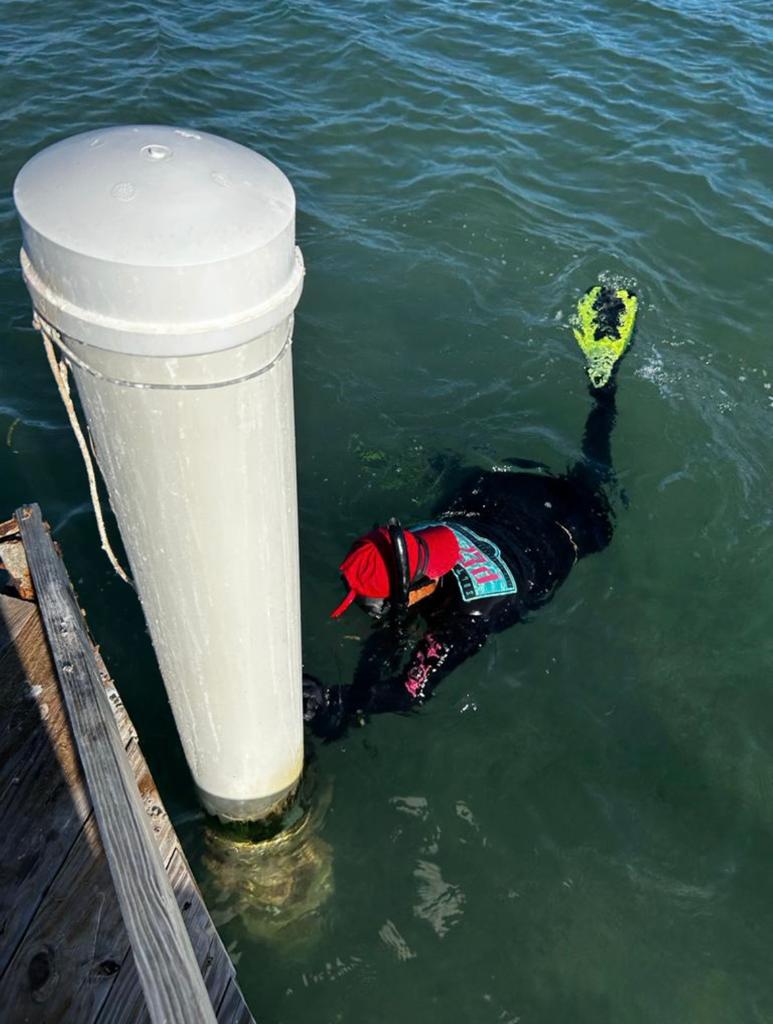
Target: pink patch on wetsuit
column 429, row 656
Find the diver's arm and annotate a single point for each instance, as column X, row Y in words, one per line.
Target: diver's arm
column 384, row 682
column 329, row 710
column 439, row 652
column 595, row 466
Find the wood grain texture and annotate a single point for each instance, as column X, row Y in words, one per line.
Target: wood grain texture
column 126, row 1005
column 43, row 799
column 233, row 1009
column 19, row 712
column 14, row 561
column 68, row 959
column 170, row 977
column 9, row 528
column 14, row 613
column 69, row 965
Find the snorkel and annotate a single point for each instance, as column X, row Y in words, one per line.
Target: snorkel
column 401, row 577
column 401, row 573
column 405, row 591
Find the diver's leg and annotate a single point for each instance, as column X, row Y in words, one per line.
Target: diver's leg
column 589, row 516
column 596, row 463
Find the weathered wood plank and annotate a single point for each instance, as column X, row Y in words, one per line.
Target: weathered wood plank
column 171, row 980
column 70, row 957
column 219, row 972
column 43, row 800
column 30, row 701
column 71, row 952
column 233, row 1009
column 125, row 1004
column 19, row 713
column 160, row 823
column 14, row 560
column 74, row 961
column 9, row 528
column 14, row 613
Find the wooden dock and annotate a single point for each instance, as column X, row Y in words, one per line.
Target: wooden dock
column 87, row 935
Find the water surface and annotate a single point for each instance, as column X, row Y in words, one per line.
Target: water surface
column 579, row 827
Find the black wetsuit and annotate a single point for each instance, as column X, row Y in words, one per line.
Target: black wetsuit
column 542, row 525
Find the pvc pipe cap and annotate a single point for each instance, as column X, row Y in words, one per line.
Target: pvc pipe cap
column 160, row 241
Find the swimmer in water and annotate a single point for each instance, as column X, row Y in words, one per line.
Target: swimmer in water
column 498, row 550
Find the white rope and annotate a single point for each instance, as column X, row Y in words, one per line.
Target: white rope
column 59, row 369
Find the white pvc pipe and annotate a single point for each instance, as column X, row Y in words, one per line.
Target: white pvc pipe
column 166, row 260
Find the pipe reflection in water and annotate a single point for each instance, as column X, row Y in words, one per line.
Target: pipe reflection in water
column 278, row 887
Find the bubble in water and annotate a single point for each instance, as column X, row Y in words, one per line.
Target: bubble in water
column 618, row 280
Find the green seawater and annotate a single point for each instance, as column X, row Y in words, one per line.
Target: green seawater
column 579, row 827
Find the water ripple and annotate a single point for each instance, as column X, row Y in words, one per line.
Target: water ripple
column 464, row 170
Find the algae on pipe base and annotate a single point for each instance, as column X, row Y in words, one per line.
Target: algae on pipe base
column 166, row 259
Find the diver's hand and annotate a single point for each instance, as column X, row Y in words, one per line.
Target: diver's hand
column 325, row 708
column 313, row 696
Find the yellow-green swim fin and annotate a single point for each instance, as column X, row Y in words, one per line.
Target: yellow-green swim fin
column 605, row 318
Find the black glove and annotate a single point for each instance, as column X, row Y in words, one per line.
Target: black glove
column 325, row 708
column 313, row 697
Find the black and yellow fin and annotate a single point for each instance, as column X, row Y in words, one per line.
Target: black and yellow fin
column 604, row 325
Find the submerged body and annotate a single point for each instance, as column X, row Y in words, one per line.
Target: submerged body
column 520, row 534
